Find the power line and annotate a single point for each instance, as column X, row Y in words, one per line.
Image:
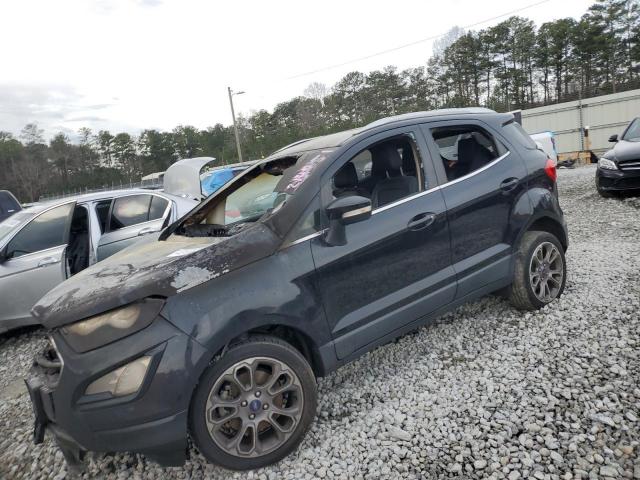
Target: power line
column 400, row 47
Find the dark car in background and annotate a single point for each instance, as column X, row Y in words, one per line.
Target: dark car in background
column 8, row 205
column 619, row 169
column 218, row 328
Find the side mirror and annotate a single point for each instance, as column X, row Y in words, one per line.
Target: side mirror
column 613, row 138
column 3, row 255
column 344, row 211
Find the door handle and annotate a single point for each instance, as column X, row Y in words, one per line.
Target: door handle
column 421, row 221
column 47, row 261
column 509, row 184
column 147, row 230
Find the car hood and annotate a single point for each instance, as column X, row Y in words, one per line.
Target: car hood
column 157, row 268
column 182, row 178
column 625, row 150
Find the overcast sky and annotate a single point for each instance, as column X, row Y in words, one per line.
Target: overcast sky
column 126, row 65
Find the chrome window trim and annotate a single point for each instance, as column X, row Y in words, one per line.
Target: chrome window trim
column 405, row 199
column 303, row 239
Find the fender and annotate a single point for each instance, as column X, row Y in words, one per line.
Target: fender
column 546, row 212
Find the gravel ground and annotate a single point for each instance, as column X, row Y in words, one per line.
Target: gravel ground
column 485, row 392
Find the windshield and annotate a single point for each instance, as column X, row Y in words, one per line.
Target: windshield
column 633, row 132
column 13, row 223
column 260, row 192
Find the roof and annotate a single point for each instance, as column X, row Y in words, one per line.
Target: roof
column 89, row 197
column 336, row 139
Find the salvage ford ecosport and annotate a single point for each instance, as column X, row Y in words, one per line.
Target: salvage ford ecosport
column 217, row 328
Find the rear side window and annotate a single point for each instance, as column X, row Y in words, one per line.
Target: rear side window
column 128, row 211
column 465, row 148
column 158, row 207
column 47, row 230
column 515, row 131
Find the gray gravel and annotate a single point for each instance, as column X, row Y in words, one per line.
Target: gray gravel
column 486, row 392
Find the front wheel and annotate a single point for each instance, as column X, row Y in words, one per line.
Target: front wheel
column 253, row 406
column 540, row 271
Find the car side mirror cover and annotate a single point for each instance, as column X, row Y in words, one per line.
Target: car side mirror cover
column 3, row 255
column 345, row 211
column 613, row 138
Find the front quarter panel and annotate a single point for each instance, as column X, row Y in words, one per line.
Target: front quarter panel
column 276, row 290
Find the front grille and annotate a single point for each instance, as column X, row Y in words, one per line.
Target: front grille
column 629, row 165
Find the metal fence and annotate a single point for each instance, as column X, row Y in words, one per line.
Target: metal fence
column 105, row 188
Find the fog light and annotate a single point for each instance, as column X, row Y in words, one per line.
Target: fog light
column 122, row 381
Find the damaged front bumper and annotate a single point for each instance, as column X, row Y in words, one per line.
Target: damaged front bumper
column 151, row 421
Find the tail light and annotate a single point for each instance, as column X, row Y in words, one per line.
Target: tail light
column 550, row 170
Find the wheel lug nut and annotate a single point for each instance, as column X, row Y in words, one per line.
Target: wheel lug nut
column 252, row 416
column 244, row 403
column 265, row 406
column 258, row 393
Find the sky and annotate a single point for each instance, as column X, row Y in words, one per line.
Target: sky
column 128, row 65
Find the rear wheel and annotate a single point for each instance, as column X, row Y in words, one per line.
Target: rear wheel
column 253, row 405
column 540, row 271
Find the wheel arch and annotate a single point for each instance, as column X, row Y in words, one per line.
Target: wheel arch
column 551, row 225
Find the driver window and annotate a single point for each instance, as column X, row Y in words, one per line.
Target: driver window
column 385, row 172
column 47, row 230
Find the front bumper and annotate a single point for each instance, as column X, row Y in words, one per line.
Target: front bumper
column 617, row 180
column 152, row 421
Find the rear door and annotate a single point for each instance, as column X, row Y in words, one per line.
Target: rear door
column 481, row 184
column 35, row 264
column 131, row 217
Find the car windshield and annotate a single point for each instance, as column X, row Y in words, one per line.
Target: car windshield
column 260, row 192
column 633, row 132
column 14, row 222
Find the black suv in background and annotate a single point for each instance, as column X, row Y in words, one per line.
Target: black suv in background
column 8, row 205
column 619, row 169
column 217, row 328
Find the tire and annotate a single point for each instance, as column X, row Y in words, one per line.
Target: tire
column 244, row 377
column 524, row 292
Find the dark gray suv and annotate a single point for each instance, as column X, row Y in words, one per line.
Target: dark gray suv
column 217, row 328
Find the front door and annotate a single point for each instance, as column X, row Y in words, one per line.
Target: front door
column 395, row 266
column 35, row 263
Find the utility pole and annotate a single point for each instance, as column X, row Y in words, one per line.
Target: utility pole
column 235, row 125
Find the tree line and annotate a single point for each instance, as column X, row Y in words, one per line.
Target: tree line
column 511, row 65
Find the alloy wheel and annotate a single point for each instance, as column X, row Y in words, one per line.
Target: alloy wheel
column 254, row 407
column 546, row 272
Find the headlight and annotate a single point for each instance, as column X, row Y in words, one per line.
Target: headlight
column 110, row 326
column 607, row 164
column 122, row 381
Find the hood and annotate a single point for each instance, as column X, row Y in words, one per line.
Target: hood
column 624, row 150
column 159, row 268
column 183, row 177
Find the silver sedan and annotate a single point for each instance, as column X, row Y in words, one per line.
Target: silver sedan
column 43, row 245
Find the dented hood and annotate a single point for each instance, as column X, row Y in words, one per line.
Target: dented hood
column 162, row 268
